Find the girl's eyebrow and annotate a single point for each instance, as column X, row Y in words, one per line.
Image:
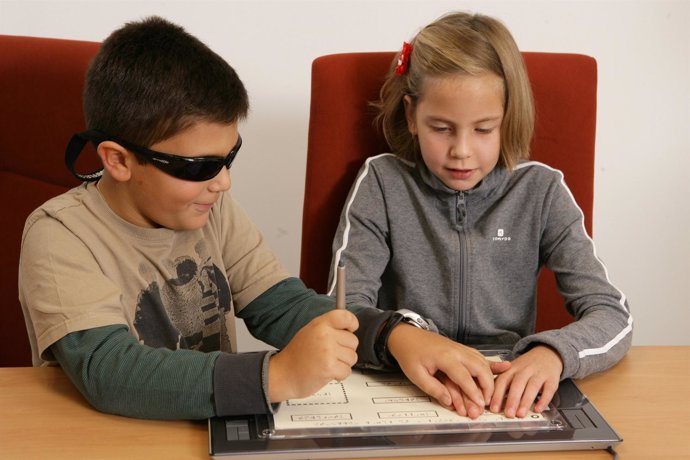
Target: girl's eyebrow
column 490, row 118
column 481, row 120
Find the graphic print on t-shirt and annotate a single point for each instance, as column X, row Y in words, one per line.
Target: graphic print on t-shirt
column 188, row 309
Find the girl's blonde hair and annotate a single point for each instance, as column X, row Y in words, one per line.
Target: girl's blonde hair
column 461, row 43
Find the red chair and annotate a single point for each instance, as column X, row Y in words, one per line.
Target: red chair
column 40, row 109
column 342, row 135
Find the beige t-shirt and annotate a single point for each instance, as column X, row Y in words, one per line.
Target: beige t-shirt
column 82, row 267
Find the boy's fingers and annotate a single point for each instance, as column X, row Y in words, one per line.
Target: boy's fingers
column 431, row 386
column 337, row 319
column 499, row 367
column 350, row 357
column 346, row 339
column 459, row 403
column 465, row 407
column 463, row 379
column 343, row 319
column 484, row 378
column 486, row 384
column 474, row 411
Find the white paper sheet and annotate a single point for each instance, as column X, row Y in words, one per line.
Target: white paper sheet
column 372, row 401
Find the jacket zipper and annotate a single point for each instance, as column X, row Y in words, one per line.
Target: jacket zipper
column 463, row 311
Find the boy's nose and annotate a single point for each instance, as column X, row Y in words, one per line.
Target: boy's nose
column 222, row 181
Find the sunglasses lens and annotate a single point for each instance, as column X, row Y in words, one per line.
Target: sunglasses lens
column 205, row 169
column 198, row 171
column 191, row 169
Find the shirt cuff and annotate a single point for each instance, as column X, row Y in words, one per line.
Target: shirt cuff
column 370, row 322
column 240, row 384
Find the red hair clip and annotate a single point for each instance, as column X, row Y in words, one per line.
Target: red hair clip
column 404, row 59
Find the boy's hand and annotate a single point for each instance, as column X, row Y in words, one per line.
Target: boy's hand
column 323, row 350
column 536, row 371
column 455, row 375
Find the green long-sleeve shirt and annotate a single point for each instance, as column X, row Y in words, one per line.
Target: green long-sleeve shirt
column 117, row 374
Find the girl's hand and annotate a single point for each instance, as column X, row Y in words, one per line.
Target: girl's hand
column 455, row 375
column 461, row 403
column 537, row 371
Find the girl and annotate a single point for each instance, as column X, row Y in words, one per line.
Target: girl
column 455, row 224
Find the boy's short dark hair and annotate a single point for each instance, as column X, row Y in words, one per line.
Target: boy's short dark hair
column 151, row 79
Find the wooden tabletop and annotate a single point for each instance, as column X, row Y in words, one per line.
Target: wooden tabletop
column 42, row 415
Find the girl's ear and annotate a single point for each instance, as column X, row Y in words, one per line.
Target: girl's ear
column 116, row 160
column 409, row 114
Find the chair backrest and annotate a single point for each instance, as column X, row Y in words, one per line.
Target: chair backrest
column 41, row 83
column 342, row 136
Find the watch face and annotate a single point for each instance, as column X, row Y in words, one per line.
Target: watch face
column 414, row 319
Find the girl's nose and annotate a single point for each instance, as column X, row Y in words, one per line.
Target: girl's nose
column 460, row 149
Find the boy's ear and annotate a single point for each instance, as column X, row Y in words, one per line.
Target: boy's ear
column 409, row 114
column 116, row 160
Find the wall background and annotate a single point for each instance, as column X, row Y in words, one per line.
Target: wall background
column 641, row 213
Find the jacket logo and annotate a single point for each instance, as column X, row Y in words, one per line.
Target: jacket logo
column 500, row 236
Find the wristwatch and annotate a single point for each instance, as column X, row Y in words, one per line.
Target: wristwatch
column 414, row 319
column 401, row 316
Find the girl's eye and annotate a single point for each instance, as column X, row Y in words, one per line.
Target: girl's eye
column 440, row 129
column 484, row 130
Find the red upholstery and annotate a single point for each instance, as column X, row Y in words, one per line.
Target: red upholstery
column 341, row 136
column 41, row 83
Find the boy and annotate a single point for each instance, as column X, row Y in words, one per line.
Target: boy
column 131, row 281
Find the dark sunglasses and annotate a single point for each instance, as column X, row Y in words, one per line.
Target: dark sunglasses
column 196, row 169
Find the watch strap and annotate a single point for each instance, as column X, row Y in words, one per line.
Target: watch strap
column 381, row 344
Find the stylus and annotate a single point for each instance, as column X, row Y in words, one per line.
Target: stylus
column 340, row 286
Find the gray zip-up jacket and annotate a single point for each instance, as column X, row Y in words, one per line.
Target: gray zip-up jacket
column 469, row 261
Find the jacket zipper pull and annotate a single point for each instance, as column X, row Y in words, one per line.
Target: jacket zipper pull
column 461, row 209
